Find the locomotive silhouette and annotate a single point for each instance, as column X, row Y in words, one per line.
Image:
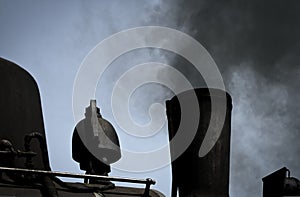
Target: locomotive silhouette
column 24, row 163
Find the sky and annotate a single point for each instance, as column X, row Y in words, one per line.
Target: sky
column 254, row 43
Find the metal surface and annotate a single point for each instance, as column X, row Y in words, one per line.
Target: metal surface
column 73, row 175
column 18, row 153
column 279, row 183
column 21, row 191
column 25, row 169
column 20, row 110
column 200, row 176
column 95, row 137
column 95, row 144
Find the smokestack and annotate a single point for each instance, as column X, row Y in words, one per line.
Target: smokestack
column 208, row 174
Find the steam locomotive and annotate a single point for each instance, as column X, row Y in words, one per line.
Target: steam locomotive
column 25, row 168
column 24, row 164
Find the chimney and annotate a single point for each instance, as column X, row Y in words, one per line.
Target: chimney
column 200, row 171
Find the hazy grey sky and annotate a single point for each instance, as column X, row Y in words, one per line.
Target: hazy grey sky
column 254, row 43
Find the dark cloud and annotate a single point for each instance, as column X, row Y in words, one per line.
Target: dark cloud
column 262, row 32
column 256, row 46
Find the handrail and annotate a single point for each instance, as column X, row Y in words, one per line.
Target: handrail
column 73, row 175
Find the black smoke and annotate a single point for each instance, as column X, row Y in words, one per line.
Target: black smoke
column 256, row 46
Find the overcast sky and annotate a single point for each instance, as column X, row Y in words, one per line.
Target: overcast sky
column 255, row 44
